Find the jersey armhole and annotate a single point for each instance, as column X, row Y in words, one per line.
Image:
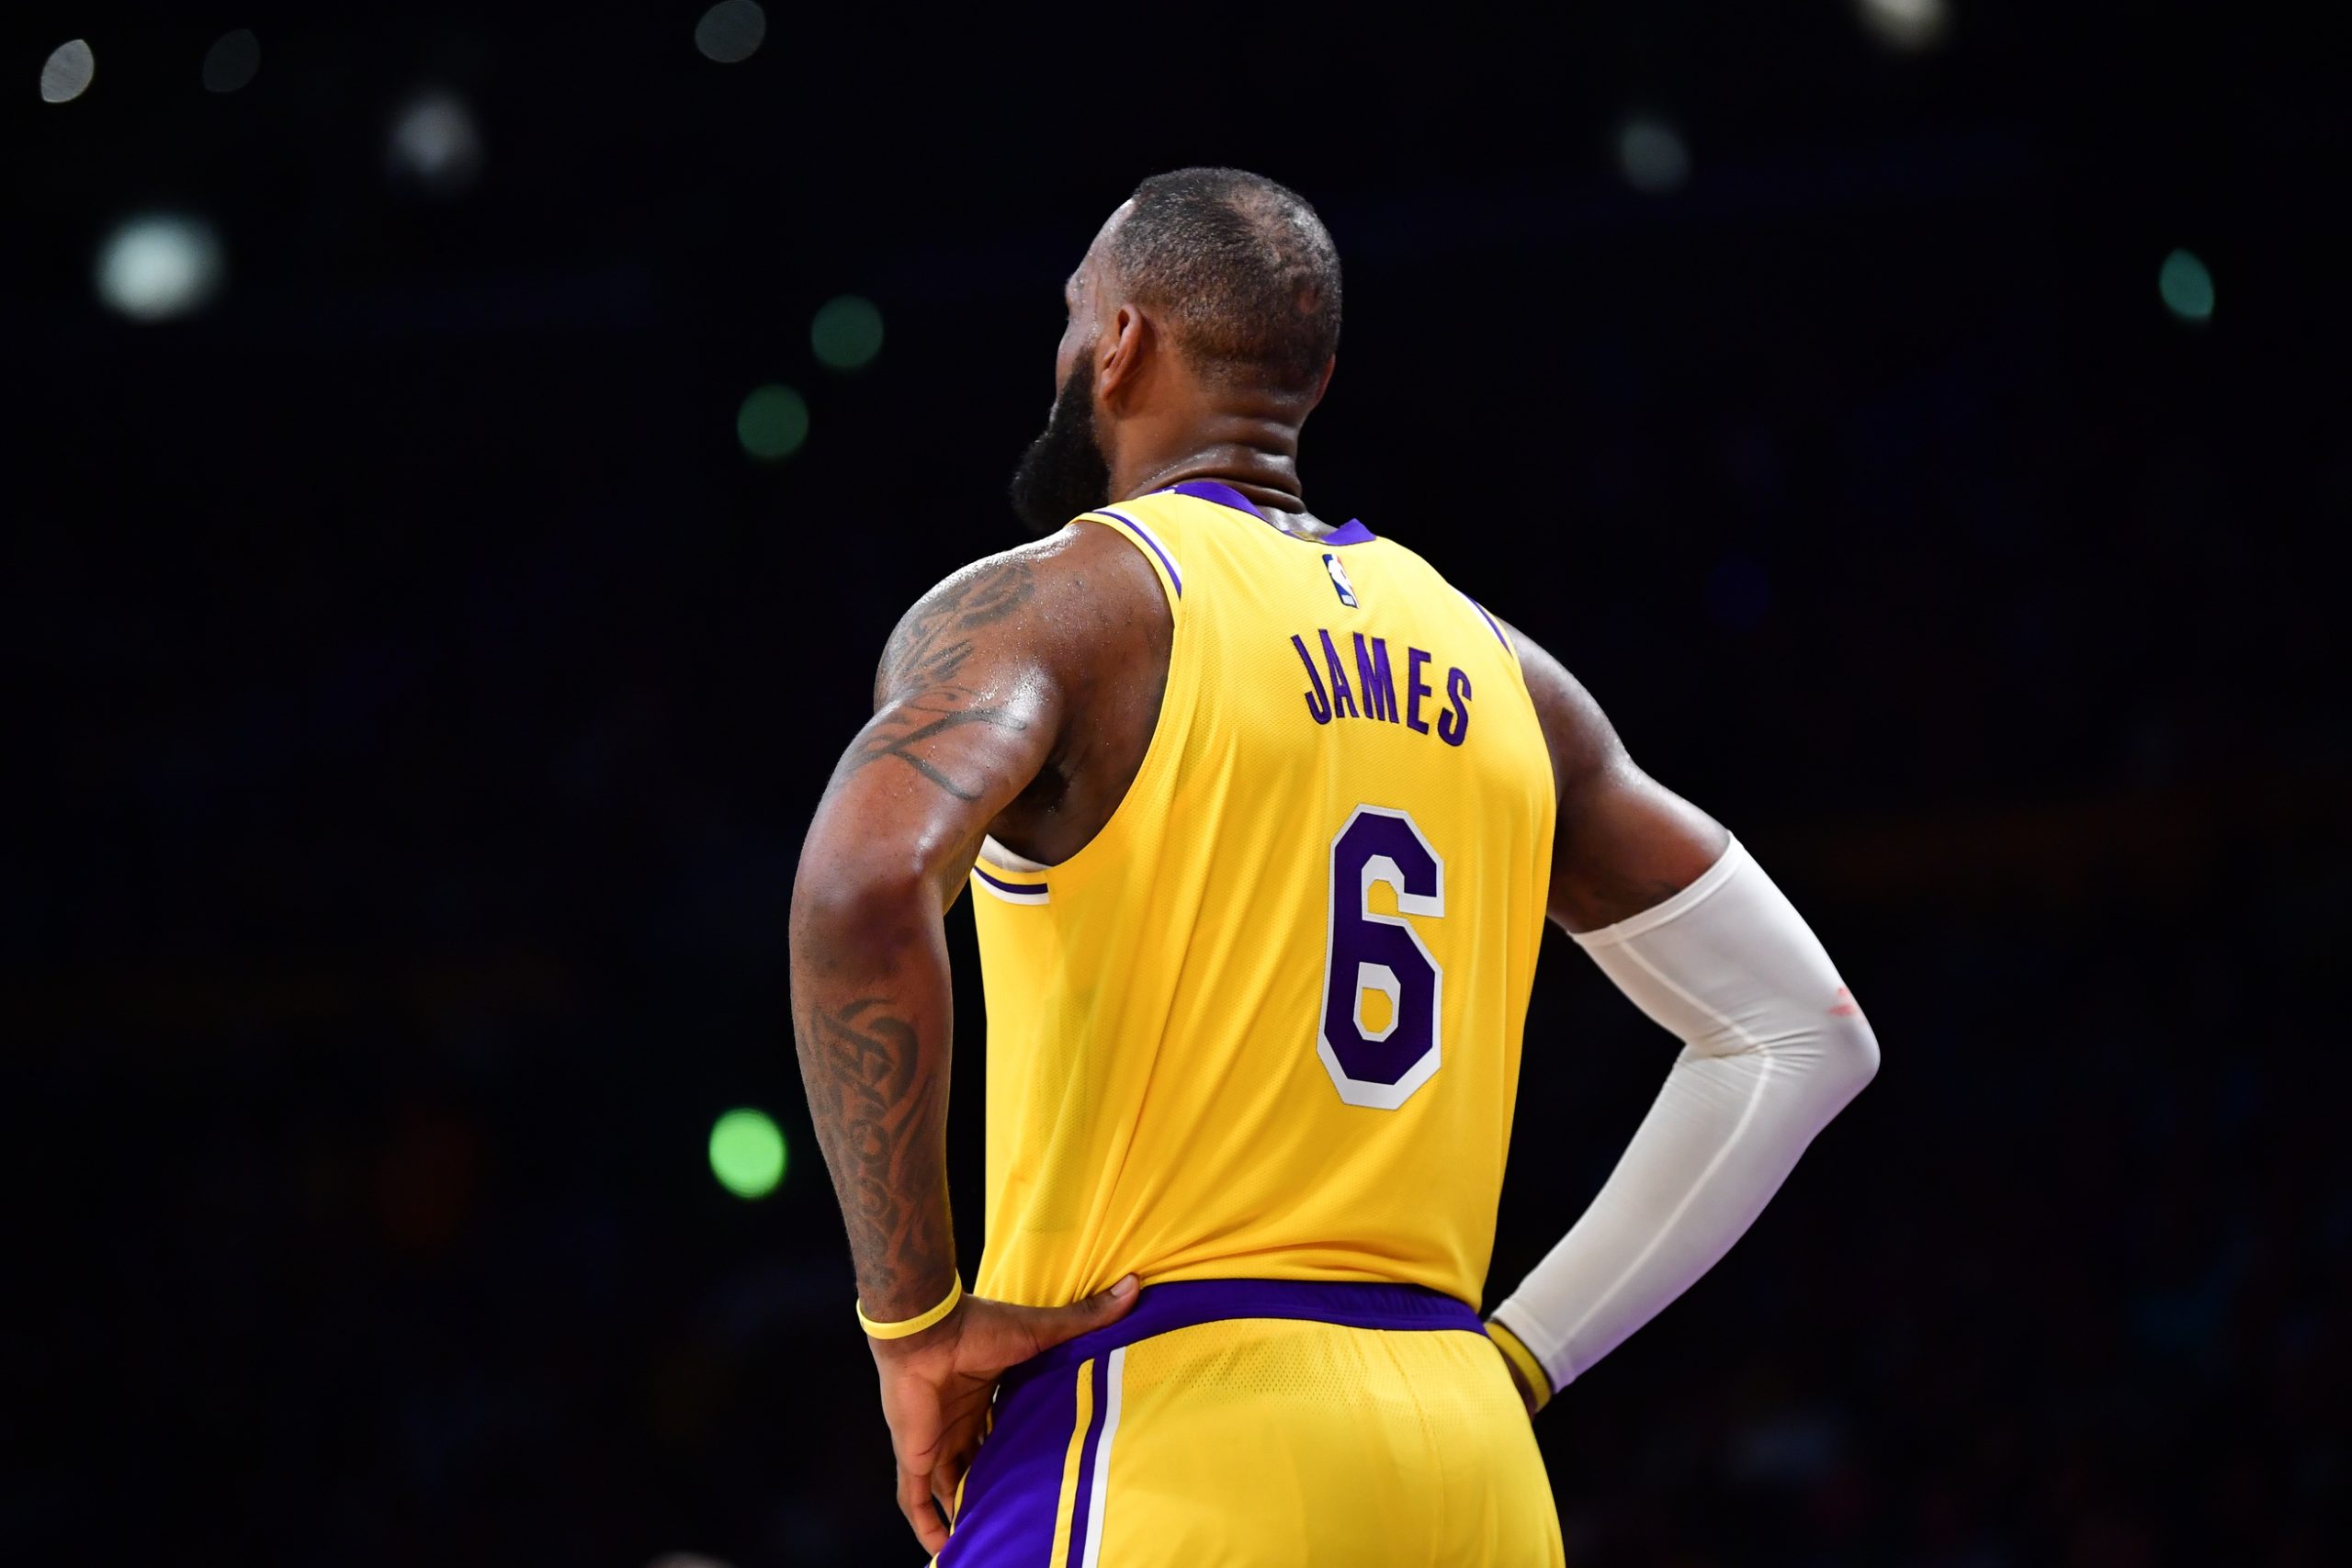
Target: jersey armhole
column 1500, row 636
column 1147, row 544
column 1152, row 781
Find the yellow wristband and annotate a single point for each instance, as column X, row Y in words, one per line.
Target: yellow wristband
column 1538, row 1382
column 915, row 1325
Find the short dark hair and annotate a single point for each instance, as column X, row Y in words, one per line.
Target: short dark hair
column 1243, row 269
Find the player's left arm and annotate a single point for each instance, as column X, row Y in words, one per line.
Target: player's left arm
column 1685, row 922
column 974, row 695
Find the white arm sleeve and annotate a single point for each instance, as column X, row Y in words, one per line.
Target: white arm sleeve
column 1774, row 1047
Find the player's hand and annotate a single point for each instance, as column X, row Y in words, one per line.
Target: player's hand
column 1526, row 1394
column 936, row 1386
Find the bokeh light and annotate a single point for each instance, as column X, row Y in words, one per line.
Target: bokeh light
column 2186, row 287
column 158, row 267
column 846, row 334
column 1651, row 155
column 436, row 144
column 231, row 61
column 731, row 31
column 773, row 423
column 66, row 73
column 1909, row 26
column 747, row 1152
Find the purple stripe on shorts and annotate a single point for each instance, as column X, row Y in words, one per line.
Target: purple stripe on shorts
column 1145, row 534
column 1015, row 1482
column 1000, row 883
column 1084, row 1505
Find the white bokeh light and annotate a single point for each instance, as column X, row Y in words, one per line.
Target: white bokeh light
column 232, row 62
column 1651, row 155
column 731, row 31
column 1906, row 24
column 65, row 74
column 158, row 267
column 435, row 142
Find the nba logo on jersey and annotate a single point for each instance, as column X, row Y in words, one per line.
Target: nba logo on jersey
column 1340, row 580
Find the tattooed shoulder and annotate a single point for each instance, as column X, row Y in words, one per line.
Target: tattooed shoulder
column 935, row 640
column 907, row 727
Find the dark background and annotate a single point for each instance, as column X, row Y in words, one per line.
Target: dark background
column 417, row 697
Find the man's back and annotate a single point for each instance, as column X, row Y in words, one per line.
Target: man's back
column 1262, row 825
column 1266, row 1023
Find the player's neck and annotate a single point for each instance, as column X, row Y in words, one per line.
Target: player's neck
column 1256, row 453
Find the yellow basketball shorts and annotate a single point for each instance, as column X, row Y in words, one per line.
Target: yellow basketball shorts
column 1257, row 1421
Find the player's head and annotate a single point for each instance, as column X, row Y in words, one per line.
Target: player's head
column 1209, row 291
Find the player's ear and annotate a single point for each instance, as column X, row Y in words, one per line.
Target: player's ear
column 1121, row 355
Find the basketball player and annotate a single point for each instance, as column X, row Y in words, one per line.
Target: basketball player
column 1261, row 818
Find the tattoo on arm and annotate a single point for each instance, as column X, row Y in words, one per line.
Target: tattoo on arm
column 917, row 700
column 906, row 728
column 931, row 644
column 879, row 1104
column 957, row 703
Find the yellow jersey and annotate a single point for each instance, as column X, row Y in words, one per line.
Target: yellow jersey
column 1266, row 1024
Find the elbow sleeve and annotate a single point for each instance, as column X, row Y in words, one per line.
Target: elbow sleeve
column 1774, row 1047
column 1727, row 967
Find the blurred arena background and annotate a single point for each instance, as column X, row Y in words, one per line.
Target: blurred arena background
column 466, row 462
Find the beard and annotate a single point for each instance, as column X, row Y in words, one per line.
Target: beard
column 1064, row 471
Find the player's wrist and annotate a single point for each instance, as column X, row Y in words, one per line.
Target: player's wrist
column 915, row 1347
column 922, row 1329
column 1527, row 1373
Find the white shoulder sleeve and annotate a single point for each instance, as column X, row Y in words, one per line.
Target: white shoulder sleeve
column 1774, row 1047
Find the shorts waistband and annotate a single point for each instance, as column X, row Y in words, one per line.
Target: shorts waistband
column 1186, row 1304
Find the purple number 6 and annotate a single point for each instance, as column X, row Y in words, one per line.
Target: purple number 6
column 1380, row 953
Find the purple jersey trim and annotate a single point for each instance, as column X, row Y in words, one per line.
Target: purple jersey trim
column 1490, row 622
column 998, row 882
column 1145, row 534
column 1212, row 489
column 1352, row 532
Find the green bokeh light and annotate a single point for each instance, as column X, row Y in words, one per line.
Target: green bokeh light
column 747, row 1152
column 2186, row 287
column 773, row 423
column 847, row 332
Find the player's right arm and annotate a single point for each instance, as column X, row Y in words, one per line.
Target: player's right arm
column 1690, row 929
column 976, row 695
